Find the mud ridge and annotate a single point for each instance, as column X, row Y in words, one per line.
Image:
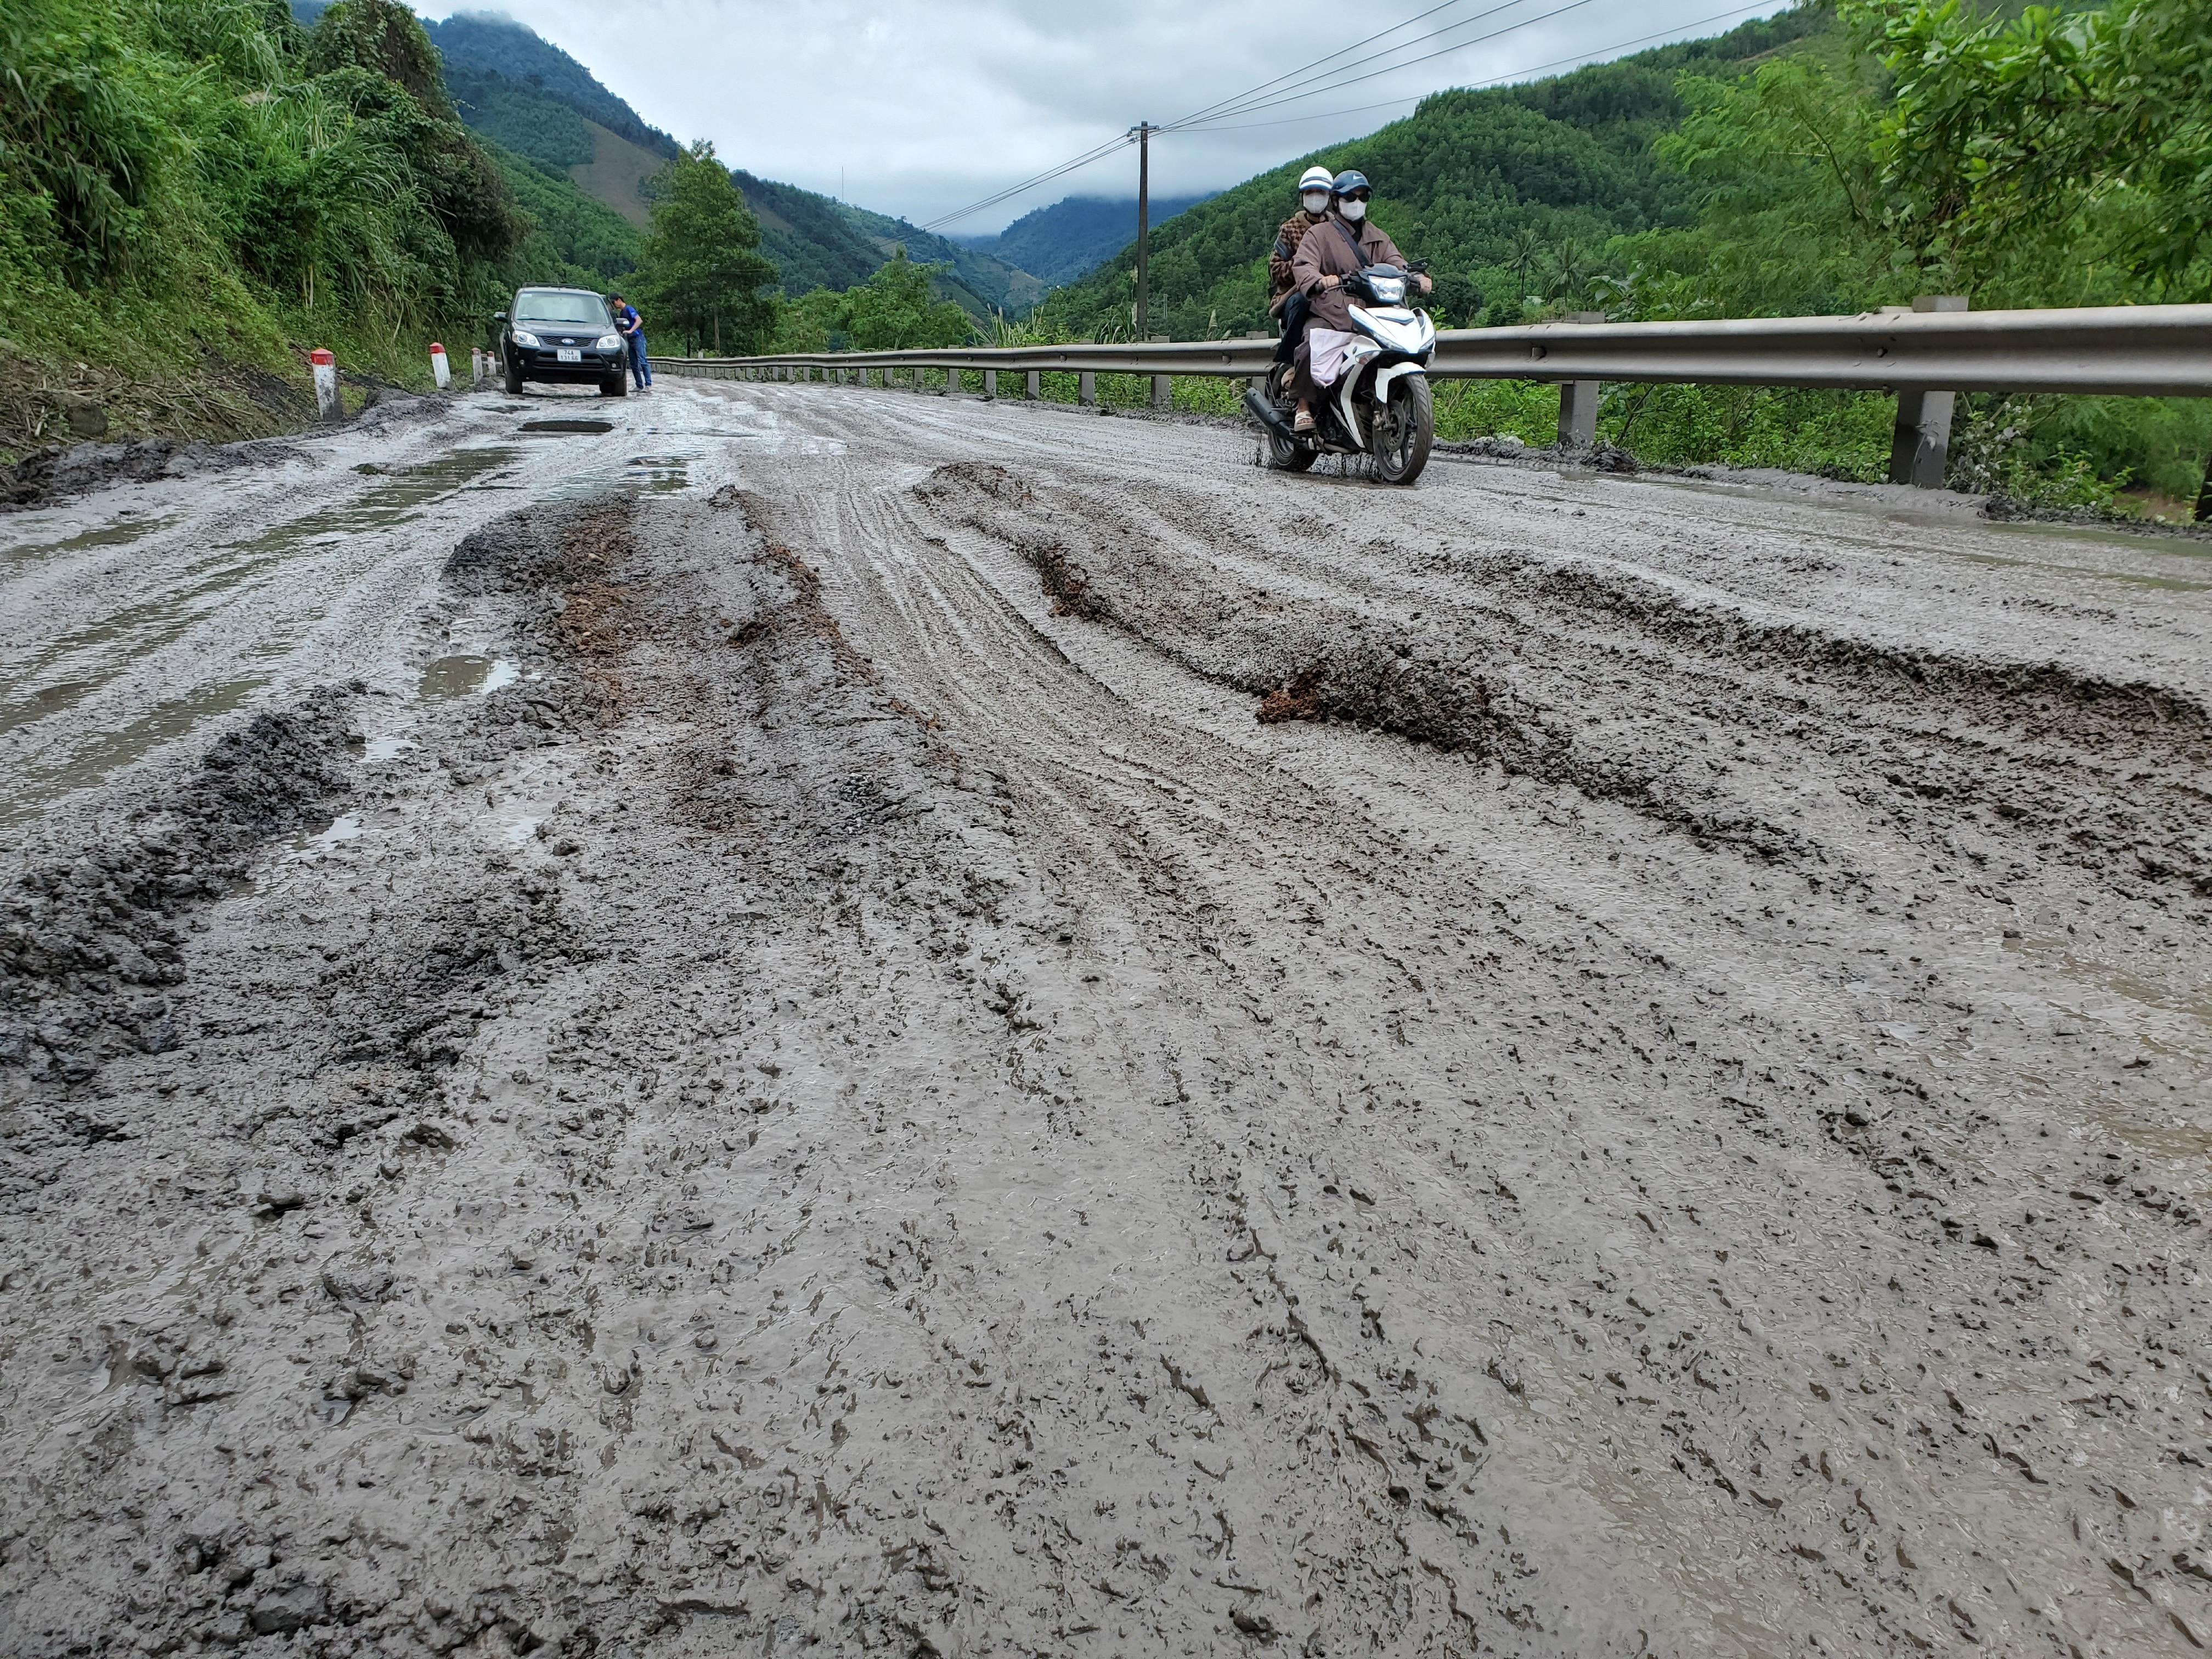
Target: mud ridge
column 56, row 474
column 91, row 939
column 1311, row 659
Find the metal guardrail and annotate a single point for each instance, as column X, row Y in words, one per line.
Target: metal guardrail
column 1925, row 354
column 2130, row 350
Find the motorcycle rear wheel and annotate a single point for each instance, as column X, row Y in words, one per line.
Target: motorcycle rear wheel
column 1288, row 457
column 1282, row 454
column 1404, row 431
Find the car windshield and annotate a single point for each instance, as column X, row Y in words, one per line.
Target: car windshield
column 584, row 310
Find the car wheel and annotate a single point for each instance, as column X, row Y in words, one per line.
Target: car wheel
column 617, row 386
column 513, row 379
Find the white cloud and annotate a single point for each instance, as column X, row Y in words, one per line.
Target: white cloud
column 919, row 109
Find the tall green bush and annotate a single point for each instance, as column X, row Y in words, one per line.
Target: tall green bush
column 191, row 182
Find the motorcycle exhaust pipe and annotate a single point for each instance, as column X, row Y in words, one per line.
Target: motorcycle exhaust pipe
column 1269, row 415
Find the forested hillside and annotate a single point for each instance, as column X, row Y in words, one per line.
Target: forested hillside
column 1059, row 243
column 1484, row 185
column 197, row 191
column 533, row 98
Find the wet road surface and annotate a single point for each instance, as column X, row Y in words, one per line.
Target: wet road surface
column 842, row 1019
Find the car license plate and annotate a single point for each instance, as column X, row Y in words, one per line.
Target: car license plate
column 569, row 356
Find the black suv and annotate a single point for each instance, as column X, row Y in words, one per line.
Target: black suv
column 561, row 335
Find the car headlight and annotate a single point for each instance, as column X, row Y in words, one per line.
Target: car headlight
column 523, row 337
column 610, row 343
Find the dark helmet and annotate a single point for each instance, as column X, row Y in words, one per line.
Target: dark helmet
column 1345, row 183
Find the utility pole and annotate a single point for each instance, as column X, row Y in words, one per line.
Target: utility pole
column 1144, row 130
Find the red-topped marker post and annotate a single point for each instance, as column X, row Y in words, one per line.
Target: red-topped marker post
column 326, row 385
column 441, row 371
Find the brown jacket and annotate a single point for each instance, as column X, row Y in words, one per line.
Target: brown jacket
column 1280, row 279
column 1326, row 251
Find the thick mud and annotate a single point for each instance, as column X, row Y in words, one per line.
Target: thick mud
column 984, row 1031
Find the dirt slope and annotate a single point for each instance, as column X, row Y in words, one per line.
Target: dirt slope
column 1012, row 1036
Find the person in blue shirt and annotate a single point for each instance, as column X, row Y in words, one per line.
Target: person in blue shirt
column 632, row 332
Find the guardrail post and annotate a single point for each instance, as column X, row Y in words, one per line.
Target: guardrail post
column 1920, row 448
column 990, row 383
column 1162, row 391
column 1087, row 388
column 1035, row 387
column 1578, row 399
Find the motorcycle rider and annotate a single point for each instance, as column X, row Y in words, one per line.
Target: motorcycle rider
column 1283, row 297
column 1342, row 245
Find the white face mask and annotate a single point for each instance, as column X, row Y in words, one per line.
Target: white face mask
column 1316, row 201
column 1355, row 211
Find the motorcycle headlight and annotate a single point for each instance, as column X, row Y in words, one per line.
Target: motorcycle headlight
column 1388, row 290
column 523, row 337
column 610, row 343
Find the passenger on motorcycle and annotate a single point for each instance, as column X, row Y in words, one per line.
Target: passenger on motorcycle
column 1342, row 245
column 1283, row 297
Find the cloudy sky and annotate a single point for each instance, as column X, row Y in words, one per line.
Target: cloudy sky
column 921, row 108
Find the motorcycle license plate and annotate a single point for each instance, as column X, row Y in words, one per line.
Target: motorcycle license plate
column 569, row 356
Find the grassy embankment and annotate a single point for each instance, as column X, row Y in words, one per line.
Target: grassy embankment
column 201, row 192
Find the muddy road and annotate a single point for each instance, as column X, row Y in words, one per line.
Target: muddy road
column 845, row 1021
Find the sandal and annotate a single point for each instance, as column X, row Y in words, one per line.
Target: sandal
column 1303, row 422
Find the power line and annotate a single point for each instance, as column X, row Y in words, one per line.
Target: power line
column 1246, row 101
column 1197, row 115
column 1099, row 154
column 1446, row 52
column 1514, row 75
column 1084, row 160
column 1202, row 122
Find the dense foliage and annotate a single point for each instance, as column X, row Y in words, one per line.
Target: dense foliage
column 204, row 177
column 892, row 310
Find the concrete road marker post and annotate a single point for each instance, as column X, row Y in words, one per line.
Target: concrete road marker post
column 1920, row 447
column 328, row 406
column 440, row 370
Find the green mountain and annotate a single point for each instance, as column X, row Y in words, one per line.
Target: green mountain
column 533, row 98
column 1059, row 243
column 1492, row 186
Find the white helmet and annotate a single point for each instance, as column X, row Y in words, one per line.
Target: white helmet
column 1315, row 178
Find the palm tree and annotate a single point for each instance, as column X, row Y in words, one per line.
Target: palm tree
column 1571, row 270
column 1523, row 254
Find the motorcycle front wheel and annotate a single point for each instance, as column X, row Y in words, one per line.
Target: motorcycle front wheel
column 1404, row 430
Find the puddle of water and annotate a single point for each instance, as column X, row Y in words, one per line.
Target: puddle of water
column 39, row 788
column 49, row 700
column 122, row 532
column 465, row 675
column 568, row 426
column 388, row 504
column 385, row 749
column 517, row 834
column 341, row 831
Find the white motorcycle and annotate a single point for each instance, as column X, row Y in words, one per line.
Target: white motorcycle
column 1379, row 404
